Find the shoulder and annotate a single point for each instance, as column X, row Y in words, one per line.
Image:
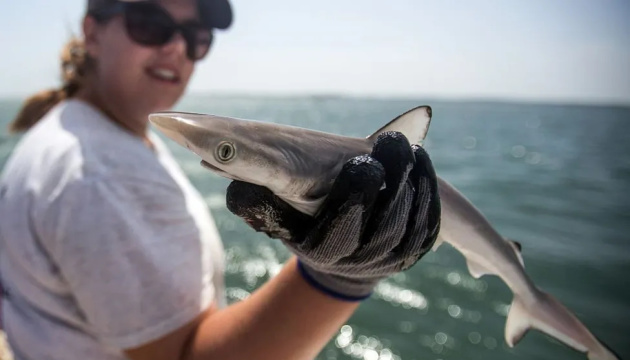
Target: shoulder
column 77, row 148
column 106, row 149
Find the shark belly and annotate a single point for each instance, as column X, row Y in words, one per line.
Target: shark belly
column 485, row 250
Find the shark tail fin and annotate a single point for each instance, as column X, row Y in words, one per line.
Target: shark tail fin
column 414, row 124
column 549, row 316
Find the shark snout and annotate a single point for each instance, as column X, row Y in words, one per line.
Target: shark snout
column 164, row 121
column 171, row 125
column 192, row 131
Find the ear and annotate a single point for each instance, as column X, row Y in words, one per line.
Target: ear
column 90, row 37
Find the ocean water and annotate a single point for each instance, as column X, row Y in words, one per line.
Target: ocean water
column 556, row 178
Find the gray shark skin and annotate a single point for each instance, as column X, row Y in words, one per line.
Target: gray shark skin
column 300, row 165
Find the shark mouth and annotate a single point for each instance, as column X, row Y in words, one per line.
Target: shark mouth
column 215, row 169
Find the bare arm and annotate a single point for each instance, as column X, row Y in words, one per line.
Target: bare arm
column 381, row 232
column 284, row 319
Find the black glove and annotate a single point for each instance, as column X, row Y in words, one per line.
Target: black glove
column 361, row 234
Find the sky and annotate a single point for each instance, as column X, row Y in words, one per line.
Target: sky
column 534, row 50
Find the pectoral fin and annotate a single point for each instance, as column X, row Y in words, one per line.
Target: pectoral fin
column 476, row 269
column 438, row 242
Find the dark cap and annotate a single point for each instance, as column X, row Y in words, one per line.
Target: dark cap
column 214, row 13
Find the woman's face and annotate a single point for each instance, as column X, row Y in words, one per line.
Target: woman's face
column 133, row 80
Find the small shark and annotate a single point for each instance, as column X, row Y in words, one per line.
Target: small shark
column 300, row 166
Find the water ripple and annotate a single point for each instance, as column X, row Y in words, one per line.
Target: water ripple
column 361, row 346
column 398, row 295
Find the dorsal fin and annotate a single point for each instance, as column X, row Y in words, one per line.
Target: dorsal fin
column 414, row 124
column 517, row 244
column 517, row 250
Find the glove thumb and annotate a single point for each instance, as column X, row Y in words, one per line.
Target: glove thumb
column 264, row 211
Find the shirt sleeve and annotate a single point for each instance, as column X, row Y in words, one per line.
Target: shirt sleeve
column 131, row 254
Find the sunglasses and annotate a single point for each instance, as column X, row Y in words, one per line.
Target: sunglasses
column 149, row 24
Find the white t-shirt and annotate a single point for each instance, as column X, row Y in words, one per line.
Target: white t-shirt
column 104, row 243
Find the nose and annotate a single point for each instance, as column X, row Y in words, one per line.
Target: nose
column 177, row 44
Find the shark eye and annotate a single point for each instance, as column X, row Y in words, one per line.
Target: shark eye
column 225, row 152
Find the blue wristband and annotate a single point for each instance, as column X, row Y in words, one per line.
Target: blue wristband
column 309, row 279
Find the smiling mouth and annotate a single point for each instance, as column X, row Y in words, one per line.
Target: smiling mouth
column 165, row 75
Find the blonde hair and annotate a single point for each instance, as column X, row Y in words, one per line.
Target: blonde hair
column 74, row 66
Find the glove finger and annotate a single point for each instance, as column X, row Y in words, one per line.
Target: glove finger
column 358, row 183
column 392, row 206
column 424, row 224
column 264, row 211
column 393, row 151
column 342, row 219
column 382, row 237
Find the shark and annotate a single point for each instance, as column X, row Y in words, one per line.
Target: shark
column 300, row 165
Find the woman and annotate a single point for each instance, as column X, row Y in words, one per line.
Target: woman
column 107, row 251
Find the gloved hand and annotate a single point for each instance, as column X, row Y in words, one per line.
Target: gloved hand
column 361, row 234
